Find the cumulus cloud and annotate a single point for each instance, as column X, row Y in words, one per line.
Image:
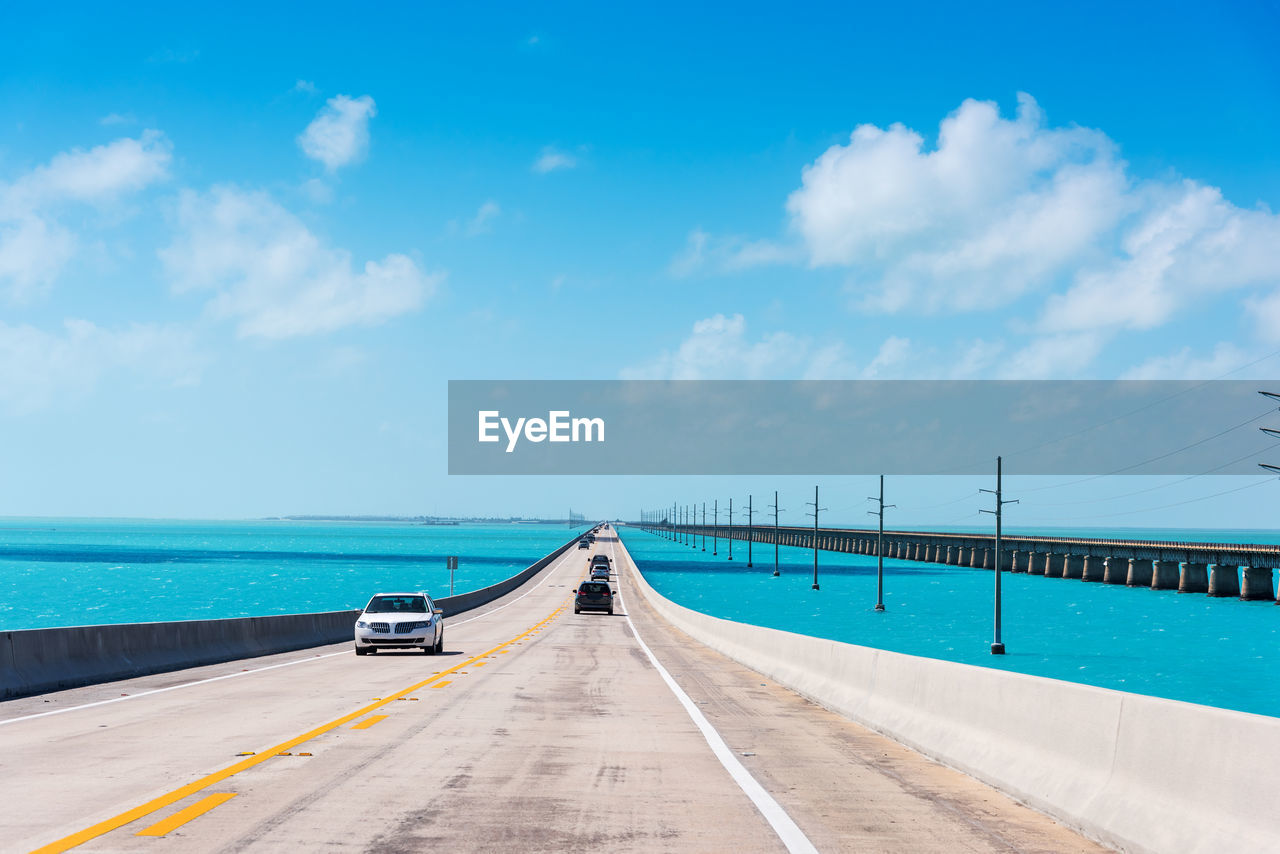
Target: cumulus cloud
column 38, row 368
column 1000, row 208
column 1186, row 365
column 719, row 348
column 276, row 279
column 552, row 159
column 339, row 134
column 34, row 245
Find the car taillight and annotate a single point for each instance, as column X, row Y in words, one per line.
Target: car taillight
column 607, row 592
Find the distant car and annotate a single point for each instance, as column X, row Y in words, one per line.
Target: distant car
column 599, row 573
column 600, row 559
column 583, row 544
column 400, row 621
column 593, row 596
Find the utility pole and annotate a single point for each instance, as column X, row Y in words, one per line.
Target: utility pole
column 880, row 546
column 749, row 533
column 1275, row 434
column 730, row 529
column 814, row 514
column 704, row 526
column 775, row 534
column 997, row 645
column 715, row 526
column 693, row 522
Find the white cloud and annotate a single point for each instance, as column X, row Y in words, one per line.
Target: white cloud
column 481, row 222
column 718, row 348
column 117, row 119
column 39, row 368
column 1185, row 365
column 272, row 276
column 1000, row 207
column 34, row 245
column 552, row 159
column 1064, row 356
column 892, row 354
column 306, row 87
column 339, row 134
column 706, row 253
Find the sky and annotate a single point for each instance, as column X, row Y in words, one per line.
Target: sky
column 243, row 252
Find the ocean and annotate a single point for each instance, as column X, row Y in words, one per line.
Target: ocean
column 69, row 572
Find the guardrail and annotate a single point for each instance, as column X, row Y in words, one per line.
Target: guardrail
column 33, row 661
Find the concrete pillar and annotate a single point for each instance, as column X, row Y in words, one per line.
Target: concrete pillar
column 1094, row 568
column 975, row 556
column 1035, row 563
column 1116, row 570
column 1073, row 566
column 1224, row 579
column 1257, row 583
column 986, row 561
column 1194, row 578
column 952, row 554
column 1140, row 573
column 1053, row 565
column 1018, row 561
column 1165, row 576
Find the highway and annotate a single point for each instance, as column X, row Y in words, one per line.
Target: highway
column 537, row 730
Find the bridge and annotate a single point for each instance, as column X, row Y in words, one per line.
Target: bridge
column 543, row 730
column 1238, row 570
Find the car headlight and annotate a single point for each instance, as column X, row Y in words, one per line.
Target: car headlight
column 361, row 624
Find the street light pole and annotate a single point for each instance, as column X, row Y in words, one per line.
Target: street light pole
column 749, row 533
column 730, row 529
column 715, row 527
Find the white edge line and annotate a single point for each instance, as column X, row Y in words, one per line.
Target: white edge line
column 787, row 830
column 254, row 670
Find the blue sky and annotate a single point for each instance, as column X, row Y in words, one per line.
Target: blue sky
column 241, row 254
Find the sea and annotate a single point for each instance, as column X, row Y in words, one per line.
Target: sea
column 71, row 572
column 1219, row 652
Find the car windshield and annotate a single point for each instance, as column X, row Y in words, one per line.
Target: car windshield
column 594, row 588
column 397, row 604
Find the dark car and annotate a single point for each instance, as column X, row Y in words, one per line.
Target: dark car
column 583, row 544
column 602, row 559
column 593, row 596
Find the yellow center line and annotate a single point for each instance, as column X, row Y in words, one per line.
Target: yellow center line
column 102, row 827
column 369, row 721
column 181, row 817
column 442, row 684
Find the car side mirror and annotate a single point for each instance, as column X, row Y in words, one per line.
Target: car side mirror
column 439, row 613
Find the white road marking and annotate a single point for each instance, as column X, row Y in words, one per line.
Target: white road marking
column 787, row 830
column 559, row 564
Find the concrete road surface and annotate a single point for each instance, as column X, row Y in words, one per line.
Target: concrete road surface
column 538, row 730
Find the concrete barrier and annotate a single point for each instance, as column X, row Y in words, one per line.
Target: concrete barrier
column 1140, row 773
column 33, row 661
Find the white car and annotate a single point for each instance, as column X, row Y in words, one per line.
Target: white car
column 400, row 621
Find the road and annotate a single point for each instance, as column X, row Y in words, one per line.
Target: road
column 538, row 730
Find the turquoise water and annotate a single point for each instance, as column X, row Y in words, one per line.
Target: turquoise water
column 1219, row 652
column 69, row 572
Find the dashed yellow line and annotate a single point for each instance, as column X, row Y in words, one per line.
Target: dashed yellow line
column 159, row 803
column 369, row 721
column 181, row 817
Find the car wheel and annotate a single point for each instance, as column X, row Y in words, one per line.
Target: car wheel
column 610, row 612
column 440, row 643
column 577, row 610
column 361, row 650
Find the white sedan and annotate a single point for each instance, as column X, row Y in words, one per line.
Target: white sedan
column 400, row 621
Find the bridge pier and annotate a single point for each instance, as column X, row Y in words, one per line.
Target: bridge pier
column 1073, row 566
column 1053, row 564
column 1140, row 572
column 1035, row 564
column 1224, row 580
column 1094, row 569
column 1116, row 570
column 1257, row 583
column 1194, row 578
column 1016, row 561
column 1166, row 575
column 950, row 559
